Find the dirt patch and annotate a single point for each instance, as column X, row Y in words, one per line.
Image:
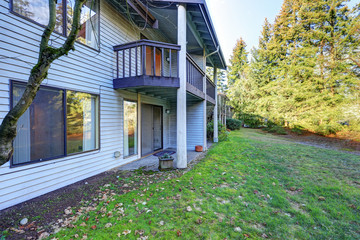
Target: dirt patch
column 46, row 209
column 315, row 140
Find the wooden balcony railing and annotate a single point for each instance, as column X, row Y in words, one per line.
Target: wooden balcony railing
column 210, row 88
column 156, row 64
column 147, row 58
column 194, row 74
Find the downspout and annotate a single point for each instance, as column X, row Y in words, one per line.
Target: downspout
column 210, row 54
column 215, row 109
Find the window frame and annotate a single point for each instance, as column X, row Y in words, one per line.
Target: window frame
column 12, row 165
column 64, row 20
column 137, row 126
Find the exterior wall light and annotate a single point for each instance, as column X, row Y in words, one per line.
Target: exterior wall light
column 167, row 111
column 117, row 154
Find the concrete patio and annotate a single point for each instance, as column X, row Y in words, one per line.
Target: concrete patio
column 151, row 162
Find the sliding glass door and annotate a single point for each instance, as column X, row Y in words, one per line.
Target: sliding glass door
column 130, row 128
column 151, row 129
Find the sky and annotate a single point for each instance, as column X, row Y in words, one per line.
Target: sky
column 241, row 18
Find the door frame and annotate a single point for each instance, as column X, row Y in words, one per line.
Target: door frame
column 162, row 128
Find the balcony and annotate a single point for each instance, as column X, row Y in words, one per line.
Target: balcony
column 210, row 90
column 147, row 64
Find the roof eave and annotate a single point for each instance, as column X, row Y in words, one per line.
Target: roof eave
column 209, row 24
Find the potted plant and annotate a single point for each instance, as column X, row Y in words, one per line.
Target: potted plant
column 166, row 161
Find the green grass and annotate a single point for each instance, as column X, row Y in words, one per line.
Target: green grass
column 267, row 186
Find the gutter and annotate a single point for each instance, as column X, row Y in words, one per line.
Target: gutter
column 208, row 22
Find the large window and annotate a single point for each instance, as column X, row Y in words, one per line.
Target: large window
column 45, row 131
column 81, row 118
column 38, row 11
column 130, row 128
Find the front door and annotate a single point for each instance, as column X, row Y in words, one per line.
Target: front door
column 151, row 129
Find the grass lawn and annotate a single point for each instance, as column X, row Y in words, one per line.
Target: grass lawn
column 255, row 185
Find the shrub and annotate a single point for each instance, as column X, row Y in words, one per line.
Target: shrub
column 252, row 121
column 210, row 129
column 327, row 129
column 297, row 129
column 233, row 124
column 223, row 136
column 276, row 129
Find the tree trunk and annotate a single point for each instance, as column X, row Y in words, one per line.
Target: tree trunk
column 47, row 55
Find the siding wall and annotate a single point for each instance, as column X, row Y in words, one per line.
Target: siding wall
column 194, row 124
column 172, row 126
column 83, row 70
column 199, row 60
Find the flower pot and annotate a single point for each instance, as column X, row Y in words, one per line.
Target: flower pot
column 198, row 148
column 166, row 163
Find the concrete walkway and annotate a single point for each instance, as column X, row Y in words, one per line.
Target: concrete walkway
column 152, row 162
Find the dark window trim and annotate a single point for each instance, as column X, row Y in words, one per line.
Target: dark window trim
column 12, row 165
column 137, row 127
column 64, row 33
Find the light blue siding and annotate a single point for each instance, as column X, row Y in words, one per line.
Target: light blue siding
column 195, row 124
column 82, row 70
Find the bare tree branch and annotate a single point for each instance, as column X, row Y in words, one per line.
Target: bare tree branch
column 355, row 61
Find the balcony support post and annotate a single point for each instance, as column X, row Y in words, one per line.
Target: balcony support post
column 204, row 103
column 139, row 125
column 215, row 117
column 181, row 160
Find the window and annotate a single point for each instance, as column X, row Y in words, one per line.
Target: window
column 45, row 132
column 130, row 128
column 81, row 119
column 38, row 11
column 40, row 130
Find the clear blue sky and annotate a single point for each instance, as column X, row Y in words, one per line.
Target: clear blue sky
column 241, row 18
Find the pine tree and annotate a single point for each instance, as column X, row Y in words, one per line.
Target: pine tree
column 238, row 61
column 306, row 69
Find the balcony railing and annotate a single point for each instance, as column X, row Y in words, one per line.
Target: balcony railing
column 210, row 88
column 156, row 64
column 194, row 74
column 147, row 58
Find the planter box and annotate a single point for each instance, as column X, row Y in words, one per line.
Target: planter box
column 166, row 163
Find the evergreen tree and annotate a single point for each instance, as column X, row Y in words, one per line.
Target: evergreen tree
column 221, row 78
column 306, row 68
column 238, row 61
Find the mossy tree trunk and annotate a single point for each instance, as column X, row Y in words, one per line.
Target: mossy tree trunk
column 47, row 55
